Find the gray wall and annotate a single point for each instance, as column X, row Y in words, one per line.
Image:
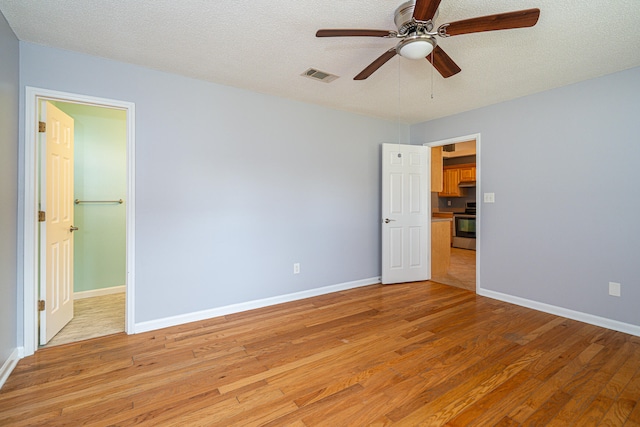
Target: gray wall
column 9, row 61
column 565, row 168
column 233, row 187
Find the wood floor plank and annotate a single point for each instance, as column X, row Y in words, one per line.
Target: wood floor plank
column 556, row 359
column 435, row 387
column 547, row 411
column 408, row 354
column 596, row 410
column 618, row 413
column 355, row 412
column 623, row 376
column 449, row 405
column 540, row 396
column 316, row 410
column 634, row 416
column 490, row 409
column 585, row 389
column 507, row 422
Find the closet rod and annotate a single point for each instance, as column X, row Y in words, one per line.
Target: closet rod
column 78, row 201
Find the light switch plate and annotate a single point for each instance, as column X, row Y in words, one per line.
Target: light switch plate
column 489, row 197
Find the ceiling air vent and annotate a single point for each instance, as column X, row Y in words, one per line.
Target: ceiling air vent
column 312, row 73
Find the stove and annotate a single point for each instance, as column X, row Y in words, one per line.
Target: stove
column 470, row 208
column 464, row 227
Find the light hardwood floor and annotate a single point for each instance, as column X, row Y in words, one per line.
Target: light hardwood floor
column 462, row 270
column 406, row 355
column 93, row 317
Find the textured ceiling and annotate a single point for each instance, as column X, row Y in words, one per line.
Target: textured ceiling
column 264, row 46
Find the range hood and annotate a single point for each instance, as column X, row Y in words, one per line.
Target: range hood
column 465, row 184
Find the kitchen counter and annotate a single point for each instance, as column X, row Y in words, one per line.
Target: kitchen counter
column 451, row 212
column 441, row 219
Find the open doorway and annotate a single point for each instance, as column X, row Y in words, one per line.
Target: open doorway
column 32, row 192
column 453, row 201
column 98, row 271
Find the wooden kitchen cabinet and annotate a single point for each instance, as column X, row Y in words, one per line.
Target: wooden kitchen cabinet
column 452, row 176
column 440, row 246
column 467, row 173
column 448, row 215
column 450, row 181
column 436, row 169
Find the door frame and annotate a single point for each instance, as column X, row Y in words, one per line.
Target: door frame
column 30, row 278
column 456, row 140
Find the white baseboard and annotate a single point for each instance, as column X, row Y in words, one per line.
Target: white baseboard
column 10, row 364
column 249, row 305
column 615, row 325
column 99, row 292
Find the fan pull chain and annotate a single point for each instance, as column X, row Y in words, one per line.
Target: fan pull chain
column 432, row 75
column 398, row 116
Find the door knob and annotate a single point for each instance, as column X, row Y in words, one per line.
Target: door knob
column 72, row 228
column 387, row 220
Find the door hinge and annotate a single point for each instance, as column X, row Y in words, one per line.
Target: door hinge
column 42, row 216
column 41, row 305
column 42, row 126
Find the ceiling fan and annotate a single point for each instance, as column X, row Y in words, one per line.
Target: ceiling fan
column 414, row 20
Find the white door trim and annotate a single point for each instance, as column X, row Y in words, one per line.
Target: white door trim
column 30, row 219
column 456, row 140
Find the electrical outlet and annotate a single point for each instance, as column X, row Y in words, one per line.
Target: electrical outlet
column 296, row 268
column 614, row 289
column 448, row 202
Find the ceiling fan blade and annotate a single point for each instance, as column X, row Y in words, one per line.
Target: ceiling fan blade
column 500, row 21
column 354, row 33
column 425, row 10
column 443, row 63
column 371, row 68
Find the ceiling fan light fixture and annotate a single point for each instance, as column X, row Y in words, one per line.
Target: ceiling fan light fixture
column 418, row 47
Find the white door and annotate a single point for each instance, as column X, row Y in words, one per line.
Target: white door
column 406, row 219
column 56, row 233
